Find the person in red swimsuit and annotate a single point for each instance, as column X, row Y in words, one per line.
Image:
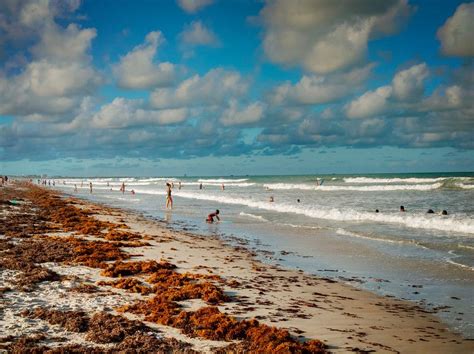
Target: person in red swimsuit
column 210, row 217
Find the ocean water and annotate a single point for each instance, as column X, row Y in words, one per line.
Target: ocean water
column 327, row 225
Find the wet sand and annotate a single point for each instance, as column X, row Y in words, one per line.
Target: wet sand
column 80, row 276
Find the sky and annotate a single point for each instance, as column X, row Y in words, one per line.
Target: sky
column 235, row 87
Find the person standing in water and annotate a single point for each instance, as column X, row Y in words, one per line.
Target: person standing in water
column 200, row 185
column 222, row 186
column 75, row 188
column 169, row 199
column 90, row 187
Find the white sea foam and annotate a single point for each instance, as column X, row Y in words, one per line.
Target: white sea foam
column 373, row 188
column 218, row 184
column 373, row 238
column 422, row 221
column 451, row 261
column 408, row 180
column 368, row 180
column 465, row 186
column 222, row 180
column 253, row 216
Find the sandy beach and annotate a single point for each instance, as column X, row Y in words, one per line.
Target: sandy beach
column 81, row 277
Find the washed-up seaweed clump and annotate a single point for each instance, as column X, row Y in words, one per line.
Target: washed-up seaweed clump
column 130, row 284
column 120, row 269
column 102, row 328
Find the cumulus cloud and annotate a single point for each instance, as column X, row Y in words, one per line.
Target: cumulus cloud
column 214, row 88
column 137, row 69
column 234, row 115
column 124, row 113
column 409, row 84
column 58, row 76
column 192, row 6
column 323, row 36
column 69, row 44
column 318, row 89
column 456, row 35
column 197, row 34
column 370, row 103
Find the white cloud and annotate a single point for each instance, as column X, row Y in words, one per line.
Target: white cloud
column 317, row 89
column 409, row 84
column 240, row 116
column 370, row 103
column 136, row 70
column 324, row 36
column 192, row 6
column 216, row 87
column 55, row 81
column 124, row 113
column 69, row 44
column 456, row 35
column 197, row 34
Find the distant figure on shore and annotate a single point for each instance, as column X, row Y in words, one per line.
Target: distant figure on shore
column 444, row 212
column 210, row 217
column 402, row 209
column 222, row 186
column 75, row 188
column 430, row 211
column 271, row 199
column 179, row 185
column 200, row 185
column 122, row 188
column 90, row 187
column 169, row 199
column 133, row 192
column 376, row 210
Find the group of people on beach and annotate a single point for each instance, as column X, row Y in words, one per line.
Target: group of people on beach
column 169, row 202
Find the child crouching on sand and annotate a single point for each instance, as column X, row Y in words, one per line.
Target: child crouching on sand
column 210, row 217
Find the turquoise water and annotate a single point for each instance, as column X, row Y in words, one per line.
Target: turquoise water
column 333, row 230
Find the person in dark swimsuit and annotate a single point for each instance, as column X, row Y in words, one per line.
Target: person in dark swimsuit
column 210, row 217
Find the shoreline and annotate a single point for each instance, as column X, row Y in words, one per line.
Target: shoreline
column 209, row 272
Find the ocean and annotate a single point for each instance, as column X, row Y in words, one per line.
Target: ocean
column 327, row 225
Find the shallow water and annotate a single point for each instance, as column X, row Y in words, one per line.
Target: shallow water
column 333, row 230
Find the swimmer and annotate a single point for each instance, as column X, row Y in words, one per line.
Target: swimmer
column 169, row 199
column 200, row 185
column 75, row 188
column 179, row 185
column 430, row 211
column 90, row 187
column 298, row 201
column 402, row 209
column 271, row 199
column 222, row 186
column 122, row 189
column 444, row 212
column 210, row 217
column 376, row 210
column 133, row 192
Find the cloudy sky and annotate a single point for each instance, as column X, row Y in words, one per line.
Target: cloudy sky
column 214, row 87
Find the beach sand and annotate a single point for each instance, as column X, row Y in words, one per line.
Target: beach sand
column 76, row 275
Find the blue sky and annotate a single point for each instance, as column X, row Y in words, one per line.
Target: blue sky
column 213, row 87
